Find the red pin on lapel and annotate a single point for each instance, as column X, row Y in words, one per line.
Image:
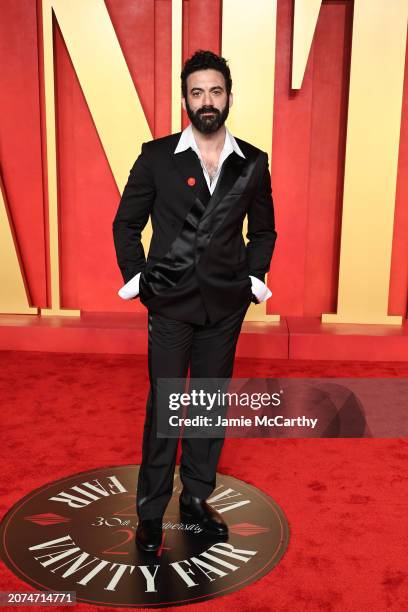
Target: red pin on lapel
column 191, row 181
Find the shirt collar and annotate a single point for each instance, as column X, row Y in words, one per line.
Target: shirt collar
column 187, row 141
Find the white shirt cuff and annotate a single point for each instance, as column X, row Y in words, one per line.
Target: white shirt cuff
column 260, row 290
column 131, row 289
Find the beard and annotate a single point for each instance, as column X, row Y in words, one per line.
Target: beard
column 210, row 123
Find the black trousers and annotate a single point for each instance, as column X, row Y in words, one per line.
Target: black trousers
column 174, row 347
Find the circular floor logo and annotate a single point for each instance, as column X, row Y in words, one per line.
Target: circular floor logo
column 78, row 534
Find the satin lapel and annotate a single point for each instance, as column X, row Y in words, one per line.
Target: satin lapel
column 188, row 165
column 232, row 169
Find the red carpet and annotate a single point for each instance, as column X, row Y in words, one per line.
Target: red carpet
column 346, row 500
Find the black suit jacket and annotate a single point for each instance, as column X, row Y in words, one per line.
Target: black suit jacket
column 198, row 262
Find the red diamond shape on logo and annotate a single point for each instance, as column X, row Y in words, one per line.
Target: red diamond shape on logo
column 248, row 529
column 47, row 519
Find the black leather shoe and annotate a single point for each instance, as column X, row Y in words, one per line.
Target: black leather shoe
column 194, row 509
column 149, row 534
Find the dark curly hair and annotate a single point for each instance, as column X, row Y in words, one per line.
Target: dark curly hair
column 203, row 60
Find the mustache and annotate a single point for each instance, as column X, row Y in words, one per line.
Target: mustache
column 208, row 109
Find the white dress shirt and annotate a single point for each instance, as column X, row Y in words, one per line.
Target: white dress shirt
column 186, row 141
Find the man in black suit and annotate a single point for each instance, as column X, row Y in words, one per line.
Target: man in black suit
column 199, row 277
